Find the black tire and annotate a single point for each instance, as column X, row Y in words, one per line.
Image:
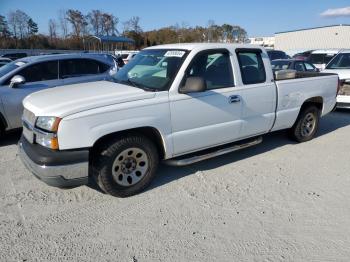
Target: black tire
column 2, row 130
column 306, row 125
column 106, row 163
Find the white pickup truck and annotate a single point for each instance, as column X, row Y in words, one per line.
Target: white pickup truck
column 179, row 104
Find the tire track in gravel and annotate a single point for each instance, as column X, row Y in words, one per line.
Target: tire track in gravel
column 97, row 214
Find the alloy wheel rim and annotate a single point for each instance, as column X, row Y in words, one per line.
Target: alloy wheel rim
column 130, row 166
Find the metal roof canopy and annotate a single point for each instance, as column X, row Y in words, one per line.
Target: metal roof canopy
column 113, row 39
column 106, row 43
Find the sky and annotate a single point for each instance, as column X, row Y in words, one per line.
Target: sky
column 258, row 17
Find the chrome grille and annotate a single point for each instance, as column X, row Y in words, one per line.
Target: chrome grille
column 29, row 117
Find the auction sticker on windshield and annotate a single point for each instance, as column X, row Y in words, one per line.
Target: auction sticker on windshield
column 174, row 53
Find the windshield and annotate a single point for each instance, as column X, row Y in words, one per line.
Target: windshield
column 9, row 67
column 280, row 65
column 341, row 61
column 152, row 70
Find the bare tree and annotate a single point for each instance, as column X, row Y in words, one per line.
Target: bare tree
column 52, row 29
column 21, row 24
column 133, row 24
column 63, row 22
column 109, row 24
column 13, row 23
column 78, row 22
column 95, row 19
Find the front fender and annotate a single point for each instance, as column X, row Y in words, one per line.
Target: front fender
column 84, row 131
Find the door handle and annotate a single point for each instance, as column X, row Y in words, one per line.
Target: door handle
column 234, row 99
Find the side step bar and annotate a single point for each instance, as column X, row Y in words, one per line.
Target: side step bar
column 192, row 158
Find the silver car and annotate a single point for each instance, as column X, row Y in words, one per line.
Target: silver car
column 27, row 75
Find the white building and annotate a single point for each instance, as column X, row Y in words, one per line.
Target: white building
column 334, row 36
column 268, row 42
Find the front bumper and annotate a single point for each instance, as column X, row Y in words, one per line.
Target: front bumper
column 55, row 168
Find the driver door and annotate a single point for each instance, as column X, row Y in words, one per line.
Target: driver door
column 211, row 118
column 38, row 77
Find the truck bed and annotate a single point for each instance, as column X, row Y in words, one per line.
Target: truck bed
column 292, row 93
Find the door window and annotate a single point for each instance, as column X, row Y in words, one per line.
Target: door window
column 214, row 67
column 252, row 67
column 299, row 66
column 40, row 72
column 309, row 67
column 81, row 67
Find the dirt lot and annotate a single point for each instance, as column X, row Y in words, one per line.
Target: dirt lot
column 279, row 201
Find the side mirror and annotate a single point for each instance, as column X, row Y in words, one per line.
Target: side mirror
column 17, row 80
column 193, row 85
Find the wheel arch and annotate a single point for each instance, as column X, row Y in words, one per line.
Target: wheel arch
column 315, row 101
column 150, row 132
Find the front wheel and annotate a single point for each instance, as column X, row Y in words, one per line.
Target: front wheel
column 306, row 126
column 126, row 166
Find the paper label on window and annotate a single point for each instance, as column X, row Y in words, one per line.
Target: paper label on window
column 174, row 53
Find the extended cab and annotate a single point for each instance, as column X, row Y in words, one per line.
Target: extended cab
column 179, row 103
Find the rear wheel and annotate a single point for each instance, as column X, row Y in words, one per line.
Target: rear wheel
column 306, row 126
column 126, row 166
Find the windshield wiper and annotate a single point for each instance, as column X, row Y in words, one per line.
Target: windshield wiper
column 137, row 85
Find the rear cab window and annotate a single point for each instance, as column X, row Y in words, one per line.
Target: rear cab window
column 251, row 66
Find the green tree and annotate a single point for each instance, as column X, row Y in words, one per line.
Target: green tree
column 4, row 29
column 32, row 27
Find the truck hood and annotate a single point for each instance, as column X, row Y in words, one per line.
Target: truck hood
column 70, row 99
column 342, row 73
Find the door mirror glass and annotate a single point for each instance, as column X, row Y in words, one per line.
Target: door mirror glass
column 194, row 85
column 16, row 81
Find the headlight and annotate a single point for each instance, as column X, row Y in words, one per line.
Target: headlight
column 47, row 140
column 47, row 137
column 48, row 123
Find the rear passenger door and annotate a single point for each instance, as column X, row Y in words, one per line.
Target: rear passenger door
column 82, row 70
column 258, row 92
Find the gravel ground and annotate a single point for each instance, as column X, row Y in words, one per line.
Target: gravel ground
column 279, row 201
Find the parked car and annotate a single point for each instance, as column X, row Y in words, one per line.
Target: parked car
column 126, row 55
column 340, row 65
column 14, row 56
column 4, row 61
column 293, row 64
column 320, row 58
column 31, row 74
column 276, row 54
column 303, row 55
column 201, row 103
